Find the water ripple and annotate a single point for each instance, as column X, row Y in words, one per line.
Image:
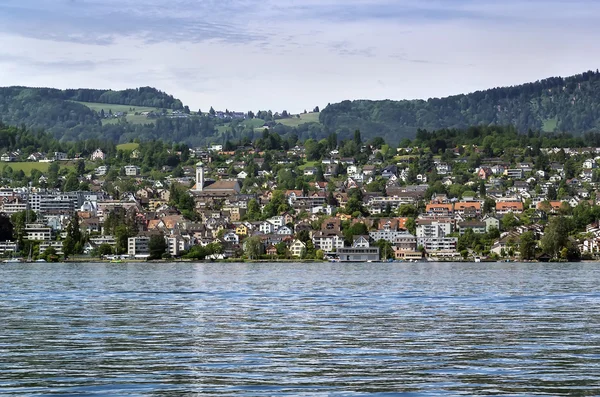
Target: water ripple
column 300, row 329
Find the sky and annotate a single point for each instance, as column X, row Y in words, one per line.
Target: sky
column 295, row 54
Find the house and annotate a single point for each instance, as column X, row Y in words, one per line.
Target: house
column 514, row 173
column 242, row 230
column 439, row 209
column 469, row 209
column 98, row 155
column 484, row 173
column 504, row 207
column 8, row 157
column 310, row 171
column 361, row 251
column 476, row 226
column 58, row 156
column 132, row 170
column 36, row 157
column 298, row 248
column 491, row 223
column 589, row 164
column 101, row 171
column 271, row 251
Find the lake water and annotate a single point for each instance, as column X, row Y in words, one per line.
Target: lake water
column 300, row 329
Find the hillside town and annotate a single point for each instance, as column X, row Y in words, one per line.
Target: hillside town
column 348, row 201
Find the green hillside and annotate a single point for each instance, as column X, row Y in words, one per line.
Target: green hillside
column 556, row 104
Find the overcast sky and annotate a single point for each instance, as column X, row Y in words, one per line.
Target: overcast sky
column 294, row 54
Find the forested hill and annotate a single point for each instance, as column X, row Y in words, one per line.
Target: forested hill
column 67, row 114
column 569, row 104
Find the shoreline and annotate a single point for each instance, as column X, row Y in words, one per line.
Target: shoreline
column 299, row 261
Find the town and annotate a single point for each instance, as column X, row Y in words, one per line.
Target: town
column 280, row 199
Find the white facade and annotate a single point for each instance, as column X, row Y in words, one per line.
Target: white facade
column 98, row 155
column 38, row 232
column 199, row 177
column 434, row 229
column 137, row 247
column 132, row 170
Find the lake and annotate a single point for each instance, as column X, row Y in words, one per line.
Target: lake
column 300, row 329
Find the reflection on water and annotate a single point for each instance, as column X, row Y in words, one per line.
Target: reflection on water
column 309, row 329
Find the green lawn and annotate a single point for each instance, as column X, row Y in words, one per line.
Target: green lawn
column 128, row 146
column 254, row 123
column 130, row 110
column 27, row 167
column 304, row 118
column 308, row 164
column 550, row 125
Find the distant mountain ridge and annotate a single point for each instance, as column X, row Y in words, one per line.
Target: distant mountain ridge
column 570, row 104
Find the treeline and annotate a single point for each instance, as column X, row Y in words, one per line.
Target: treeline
column 556, row 104
column 31, row 141
column 143, row 96
column 495, row 140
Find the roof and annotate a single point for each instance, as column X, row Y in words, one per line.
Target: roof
column 222, row 185
column 504, row 205
column 463, row 205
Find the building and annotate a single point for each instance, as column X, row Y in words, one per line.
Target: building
column 98, row 155
column 439, row 244
column 298, row 248
column 361, row 251
column 57, row 245
column 58, row 156
column 8, row 248
column 138, row 247
column 132, row 170
column 433, row 228
column 37, row 232
column 476, row 226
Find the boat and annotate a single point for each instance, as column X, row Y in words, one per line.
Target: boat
column 40, row 260
column 116, row 261
column 477, row 259
column 12, row 260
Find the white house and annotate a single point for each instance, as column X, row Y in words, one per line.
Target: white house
column 98, row 155
column 298, row 248
column 132, row 170
column 266, row 227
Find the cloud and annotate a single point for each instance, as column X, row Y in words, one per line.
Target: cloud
column 60, row 64
column 294, row 54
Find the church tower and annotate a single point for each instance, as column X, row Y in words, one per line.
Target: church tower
column 199, row 177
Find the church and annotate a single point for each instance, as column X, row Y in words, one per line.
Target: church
column 220, row 188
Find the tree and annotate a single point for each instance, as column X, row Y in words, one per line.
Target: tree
column 6, row 228
column 253, row 247
column 80, row 167
column 105, row 249
column 482, row 189
column 357, row 138
column 316, row 109
column 72, row 243
column 72, row 183
column 552, row 194
column 510, row 221
column 253, row 212
column 157, row 246
column 212, row 111
column 527, row 245
column 386, row 251
column 556, row 236
column 411, row 225
column 357, row 229
column 319, row 254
